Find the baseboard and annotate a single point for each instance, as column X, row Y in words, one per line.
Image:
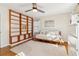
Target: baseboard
column 5, row 47
column 2, row 46
column 16, row 44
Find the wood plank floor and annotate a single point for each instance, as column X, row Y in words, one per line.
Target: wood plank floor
column 6, row 52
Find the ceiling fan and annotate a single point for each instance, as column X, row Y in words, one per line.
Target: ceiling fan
column 35, row 9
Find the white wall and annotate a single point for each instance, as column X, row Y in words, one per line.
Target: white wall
column 4, row 26
column 72, row 30
column 62, row 22
column 0, row 29
column 36, row 25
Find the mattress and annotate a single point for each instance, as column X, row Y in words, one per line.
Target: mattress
column 45, row 37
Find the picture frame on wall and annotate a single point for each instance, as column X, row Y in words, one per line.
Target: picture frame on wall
column 49, row 23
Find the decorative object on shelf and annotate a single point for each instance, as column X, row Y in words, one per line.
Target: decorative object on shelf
column 24, row 26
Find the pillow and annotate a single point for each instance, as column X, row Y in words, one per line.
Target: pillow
column 43, row 32
column 52, row 35
column 54, row 32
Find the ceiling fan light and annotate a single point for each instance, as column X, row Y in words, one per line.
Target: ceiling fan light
column 34, row 10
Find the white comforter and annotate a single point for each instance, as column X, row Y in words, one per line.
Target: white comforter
column 47, row 37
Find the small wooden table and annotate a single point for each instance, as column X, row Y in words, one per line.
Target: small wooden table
column 59, row 42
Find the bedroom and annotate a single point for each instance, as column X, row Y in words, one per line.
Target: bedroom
column 56, row 19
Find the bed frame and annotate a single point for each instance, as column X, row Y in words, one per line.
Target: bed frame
column 64, row 43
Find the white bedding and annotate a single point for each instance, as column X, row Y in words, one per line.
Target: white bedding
column 47, row 37
column 49, row 34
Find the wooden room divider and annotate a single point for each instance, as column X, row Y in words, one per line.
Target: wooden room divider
column 20, row 27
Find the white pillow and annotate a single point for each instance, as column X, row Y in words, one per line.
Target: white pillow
column 51, row 35
column 43, row 32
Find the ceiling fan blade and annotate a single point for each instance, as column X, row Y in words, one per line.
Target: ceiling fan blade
column 41, row 11
column 28, row 10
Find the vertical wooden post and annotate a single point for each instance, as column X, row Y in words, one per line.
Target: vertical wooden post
column 18, row 38
column 27, row 24
column 32, row 27
column 24, row 36
column 20, row 26
column 10, row 38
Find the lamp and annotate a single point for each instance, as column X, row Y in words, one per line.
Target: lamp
column 34, row 10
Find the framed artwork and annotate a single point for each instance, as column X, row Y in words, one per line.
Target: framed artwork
column 49, row 23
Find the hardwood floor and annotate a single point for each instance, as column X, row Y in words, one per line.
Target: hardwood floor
column 6, row 51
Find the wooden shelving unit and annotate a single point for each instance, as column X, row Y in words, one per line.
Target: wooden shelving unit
column 20, row 27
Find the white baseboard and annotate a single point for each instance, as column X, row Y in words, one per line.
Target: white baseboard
column 18, row 42
column 2, row 46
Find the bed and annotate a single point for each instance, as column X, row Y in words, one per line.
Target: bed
column 52, row 37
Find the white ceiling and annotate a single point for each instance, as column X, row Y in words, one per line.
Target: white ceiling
column 49, row 8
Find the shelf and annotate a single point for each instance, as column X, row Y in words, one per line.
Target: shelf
column 24, row 18
column 14, row 15
column 14, row 19
column 15, row 23
column 24, row 21
column 14, row 28
column 15, row 31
